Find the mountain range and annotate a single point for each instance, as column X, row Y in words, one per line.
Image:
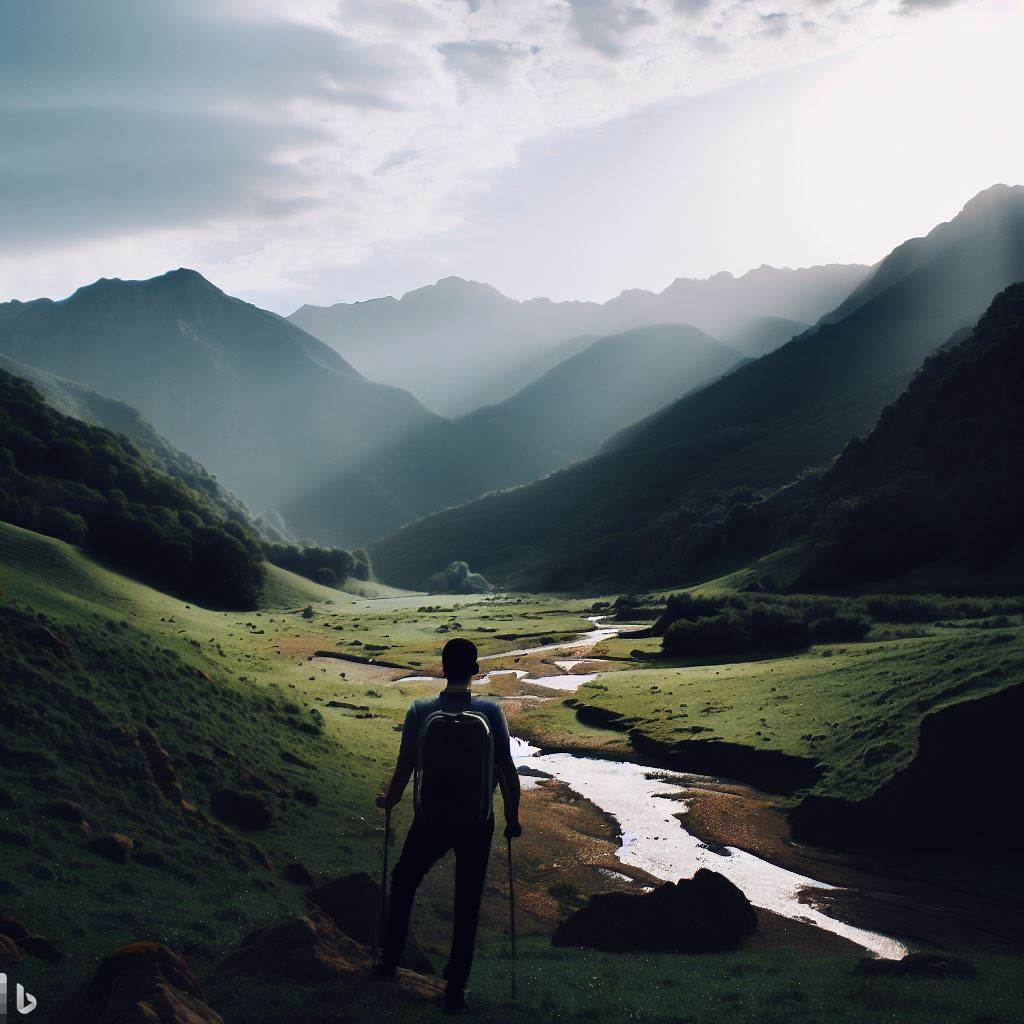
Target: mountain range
column 640, row 512
column 458, row 345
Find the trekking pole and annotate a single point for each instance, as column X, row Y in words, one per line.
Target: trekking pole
column 512, row 918
column 378, row 949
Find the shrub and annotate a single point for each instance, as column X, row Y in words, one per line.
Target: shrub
column 721, row 634
column 458, row 579
column 842, row 628
column 772, row 626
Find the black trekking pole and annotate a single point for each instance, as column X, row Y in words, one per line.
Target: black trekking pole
column 378, row 949
column 512, row 918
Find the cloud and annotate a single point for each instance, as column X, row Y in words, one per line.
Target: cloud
column 275, row 145
column 482, row 62
column 606, row 25
column 920, row 6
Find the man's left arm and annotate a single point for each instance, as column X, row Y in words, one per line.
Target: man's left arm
column 508, row 777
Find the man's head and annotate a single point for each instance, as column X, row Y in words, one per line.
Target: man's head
column 458, row 659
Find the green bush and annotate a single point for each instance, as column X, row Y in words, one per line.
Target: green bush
column 840, row 628
column 710, row 635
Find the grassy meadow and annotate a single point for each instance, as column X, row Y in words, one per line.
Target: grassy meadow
column 96, row 663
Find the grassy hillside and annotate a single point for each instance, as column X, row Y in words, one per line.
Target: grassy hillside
column 98, row 670
column 637, row 512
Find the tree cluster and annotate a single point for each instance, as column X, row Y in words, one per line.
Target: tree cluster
column 90, row 487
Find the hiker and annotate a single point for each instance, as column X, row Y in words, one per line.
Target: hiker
column 458, row 745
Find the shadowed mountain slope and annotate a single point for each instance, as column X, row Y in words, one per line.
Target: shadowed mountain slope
column 264, row 406
column 560, row 418
column 634, row 513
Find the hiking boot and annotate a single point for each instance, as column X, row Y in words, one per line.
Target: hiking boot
column 455, row 999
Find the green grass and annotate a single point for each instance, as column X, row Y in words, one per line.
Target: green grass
column 780, row 987
column 226, row 693
column 855, row 707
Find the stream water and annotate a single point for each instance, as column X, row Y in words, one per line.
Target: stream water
column 644, row 802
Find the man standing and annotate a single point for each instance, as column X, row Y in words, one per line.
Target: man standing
column 458, row 746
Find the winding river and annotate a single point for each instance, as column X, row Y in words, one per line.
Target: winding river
column 645, row 803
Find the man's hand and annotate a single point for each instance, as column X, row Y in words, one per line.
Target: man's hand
column 386, row 801
column 513, row 830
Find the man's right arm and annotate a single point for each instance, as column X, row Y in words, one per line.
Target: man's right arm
column 404, row 765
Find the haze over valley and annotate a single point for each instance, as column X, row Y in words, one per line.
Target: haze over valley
column 669, row 353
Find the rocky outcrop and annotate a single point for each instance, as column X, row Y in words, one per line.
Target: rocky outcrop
column 353, row 904
column 961, row 790
column 312, row 950
column 143, row 982
column 695, row 915
column 160, row 766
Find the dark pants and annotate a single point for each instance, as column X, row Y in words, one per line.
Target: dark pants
column 424, row 846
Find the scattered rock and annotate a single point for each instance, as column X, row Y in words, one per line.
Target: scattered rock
column 260, row 856
column 532, row 773
column 916, row 965
column 245, row 810
column 353, row 904
column 302, row 949
column 115, row 847
column 9, row 954
column 299, row 874
column 161, row 767
column 142, row 983
column 312, row 950
column 42, row 949
column 12, row 928
column 700, row 914
column 64, row 810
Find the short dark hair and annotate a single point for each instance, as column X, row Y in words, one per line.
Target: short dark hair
column 459, row 658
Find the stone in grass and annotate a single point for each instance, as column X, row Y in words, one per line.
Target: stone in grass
column 297, row 873
column 702, row 914
column 916, row 965
column 245, row 810
column 114, row 847
column 353, row 904
column 312, row 950
column 9, row 954
column 143, row 982
column 64, row 810
column 42, row 949
column 12, row 928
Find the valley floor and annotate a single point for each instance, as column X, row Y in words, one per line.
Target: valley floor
column 300, row 702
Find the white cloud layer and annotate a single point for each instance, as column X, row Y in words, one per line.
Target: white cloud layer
column 278, row 147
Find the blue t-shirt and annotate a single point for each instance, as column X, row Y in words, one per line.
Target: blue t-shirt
column 460, row 700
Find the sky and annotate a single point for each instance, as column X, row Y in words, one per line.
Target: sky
column 323, row 151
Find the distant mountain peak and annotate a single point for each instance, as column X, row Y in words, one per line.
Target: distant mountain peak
column 993, row 199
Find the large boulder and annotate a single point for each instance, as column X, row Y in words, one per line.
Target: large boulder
column 353, row 904
column 143, row 982
column 694, row 915
column 312, row 951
